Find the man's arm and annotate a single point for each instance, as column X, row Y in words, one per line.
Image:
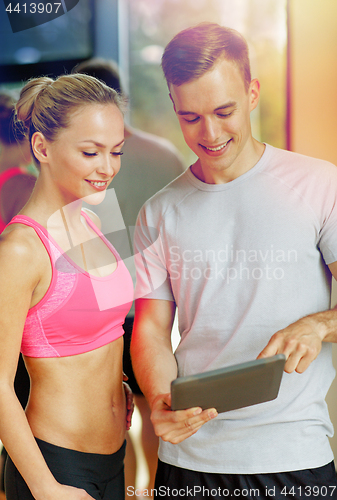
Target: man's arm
column 301, row 341
column 155, row 367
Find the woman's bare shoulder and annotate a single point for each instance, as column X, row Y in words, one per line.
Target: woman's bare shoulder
column 21, row 250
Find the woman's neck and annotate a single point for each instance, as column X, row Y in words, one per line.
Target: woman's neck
column 47, row 205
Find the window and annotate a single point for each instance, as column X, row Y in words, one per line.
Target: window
column 152, row 23
column 49, row 49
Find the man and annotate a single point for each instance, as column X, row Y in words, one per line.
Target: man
column 244, row 244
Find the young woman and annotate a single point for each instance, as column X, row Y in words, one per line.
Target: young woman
column 64, row 294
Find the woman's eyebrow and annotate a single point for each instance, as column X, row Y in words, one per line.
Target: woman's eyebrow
column 99, row 145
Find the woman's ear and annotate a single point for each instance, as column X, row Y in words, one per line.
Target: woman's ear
column 39, row 147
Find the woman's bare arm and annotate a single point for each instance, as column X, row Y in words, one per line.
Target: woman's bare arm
column 20, row 274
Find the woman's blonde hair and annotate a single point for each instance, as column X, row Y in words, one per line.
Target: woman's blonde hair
column 45, row 105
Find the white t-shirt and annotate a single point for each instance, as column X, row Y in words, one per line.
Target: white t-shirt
column 243, row 260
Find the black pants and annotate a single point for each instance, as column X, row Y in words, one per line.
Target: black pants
column 102, row 476
column 175, row 482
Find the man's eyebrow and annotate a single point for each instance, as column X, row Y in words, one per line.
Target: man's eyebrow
column 183, row 113
column 223, row 106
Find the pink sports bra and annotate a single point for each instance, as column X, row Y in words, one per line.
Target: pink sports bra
column 4, row 177
column 79, row 312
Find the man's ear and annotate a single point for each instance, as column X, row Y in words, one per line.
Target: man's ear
column 39, row 147
column 174, row 106
column 254, row 93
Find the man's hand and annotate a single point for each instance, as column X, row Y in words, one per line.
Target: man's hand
column 130, row 406
column 300, row 342
column 175, row 426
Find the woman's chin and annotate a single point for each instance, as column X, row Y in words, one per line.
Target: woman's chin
column 95, row 198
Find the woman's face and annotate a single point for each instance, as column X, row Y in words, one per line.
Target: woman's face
column 85, row 156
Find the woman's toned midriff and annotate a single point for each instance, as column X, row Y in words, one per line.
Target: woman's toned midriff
column 78, row 402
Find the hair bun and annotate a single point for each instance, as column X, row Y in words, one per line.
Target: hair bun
column 29, row 96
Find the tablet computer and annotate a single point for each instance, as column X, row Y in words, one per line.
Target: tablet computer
column 230, row 388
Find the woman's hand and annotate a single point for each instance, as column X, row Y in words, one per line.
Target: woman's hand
column 129, row 401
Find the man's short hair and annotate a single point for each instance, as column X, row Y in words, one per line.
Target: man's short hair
column 194, row 51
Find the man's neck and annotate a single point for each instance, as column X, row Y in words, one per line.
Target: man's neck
column 217, row 174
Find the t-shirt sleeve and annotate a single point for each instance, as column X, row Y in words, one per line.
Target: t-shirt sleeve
column 328, row 232
column 152, row 276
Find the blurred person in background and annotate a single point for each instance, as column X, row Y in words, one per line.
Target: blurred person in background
column 149, row 163
column 16, row 181
column 16, row 185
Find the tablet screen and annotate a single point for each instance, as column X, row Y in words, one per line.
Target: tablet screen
column 230, row 388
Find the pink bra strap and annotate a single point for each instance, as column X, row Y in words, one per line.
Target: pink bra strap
column 40, row 231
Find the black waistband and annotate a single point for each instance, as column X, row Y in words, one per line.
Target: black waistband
column 82, row 463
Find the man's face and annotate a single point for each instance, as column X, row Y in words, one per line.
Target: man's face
column 214, row 115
